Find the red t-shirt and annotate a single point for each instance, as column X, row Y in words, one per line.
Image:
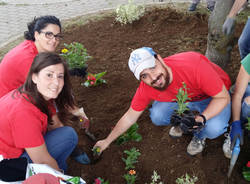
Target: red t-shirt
column 202, row 77
column 15, row 66
column 22, row 125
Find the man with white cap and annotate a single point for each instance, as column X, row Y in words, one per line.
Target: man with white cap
column 207, row 86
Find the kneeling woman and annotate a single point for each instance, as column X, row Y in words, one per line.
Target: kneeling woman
column 25, row 115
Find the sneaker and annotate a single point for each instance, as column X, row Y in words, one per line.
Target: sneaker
column 192, row 7
column 227, row 146
column 175, row 132
column 210, row 8
column 195, row 146
column 82, row 158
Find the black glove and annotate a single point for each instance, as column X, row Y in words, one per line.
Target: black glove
column 189, row 125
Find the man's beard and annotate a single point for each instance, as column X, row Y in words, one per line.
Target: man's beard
column 167, row 79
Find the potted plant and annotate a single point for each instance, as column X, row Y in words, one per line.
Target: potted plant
column 76, row 56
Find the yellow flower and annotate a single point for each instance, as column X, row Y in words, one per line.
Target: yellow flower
column 98, row 149
column 132, row 172
column 81, row 120
column 64, row 50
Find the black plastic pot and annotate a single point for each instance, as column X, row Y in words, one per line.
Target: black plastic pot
column 80, row 72
column 186, row 121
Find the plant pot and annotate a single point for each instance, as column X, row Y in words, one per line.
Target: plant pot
column 186, row 121
column 80, row 72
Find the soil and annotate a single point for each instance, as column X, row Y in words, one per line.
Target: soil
column 110, row 43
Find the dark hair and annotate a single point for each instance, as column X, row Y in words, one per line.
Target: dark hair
column 38, row 24
column 64, row 99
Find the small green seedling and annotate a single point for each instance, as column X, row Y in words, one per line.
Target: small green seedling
column 96, row 151
column 181, row 98
column 187, row 179
column 130, row 134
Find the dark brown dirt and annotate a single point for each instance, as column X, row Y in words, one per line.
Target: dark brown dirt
column 110, row 44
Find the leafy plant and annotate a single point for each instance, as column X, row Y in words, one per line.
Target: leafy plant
column 129, row 13
column 99, row 180
column 155, row 177
column 130, row 177
column 181, row 98
column 94, row 79
column 75, row 55
column 96, row 151
column 187, row 179
column 130, row 134
column 248, row 123
column 131, row 158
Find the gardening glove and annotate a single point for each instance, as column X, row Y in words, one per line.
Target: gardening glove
column 189, row 125
column 236, row 132
column 228, row 26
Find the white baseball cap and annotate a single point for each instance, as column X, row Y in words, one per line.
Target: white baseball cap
column 141, row 59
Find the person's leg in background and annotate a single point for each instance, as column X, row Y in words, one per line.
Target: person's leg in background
column 244, row 40
column 210, row 5
column 193, row 6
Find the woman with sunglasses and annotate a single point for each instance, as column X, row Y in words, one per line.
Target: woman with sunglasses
column 43, row 35
column 25, row 115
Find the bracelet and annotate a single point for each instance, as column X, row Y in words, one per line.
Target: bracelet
column 203, row 117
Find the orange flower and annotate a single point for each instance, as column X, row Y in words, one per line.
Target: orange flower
column 132, row 172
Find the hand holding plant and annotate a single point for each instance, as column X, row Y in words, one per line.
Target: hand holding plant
column 94, row 79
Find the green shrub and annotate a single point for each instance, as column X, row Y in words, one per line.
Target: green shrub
column 129, row 13
column 75, row 55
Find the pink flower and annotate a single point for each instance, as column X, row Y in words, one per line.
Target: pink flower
column 98, row 181
column 92, row 82
column 248, row 164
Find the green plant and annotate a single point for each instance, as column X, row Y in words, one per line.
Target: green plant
column 96, row 151
column 130, row 134
column 94, row 79
column 187, row 179
column 75, row 55
column 131, row 158
column 130, row 177
column 99, row 180
column 248, row 123
column 181, row 98
column 155, row 177
column 129, row 13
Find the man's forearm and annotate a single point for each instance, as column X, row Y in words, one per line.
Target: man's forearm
column 238, row 4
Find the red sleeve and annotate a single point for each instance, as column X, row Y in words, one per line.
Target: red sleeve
column 207, row 78
column 27, row 128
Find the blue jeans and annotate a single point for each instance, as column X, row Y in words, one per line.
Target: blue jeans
column 161, row 112
column 60, row 143
column 245, row 108
column 244, row 40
